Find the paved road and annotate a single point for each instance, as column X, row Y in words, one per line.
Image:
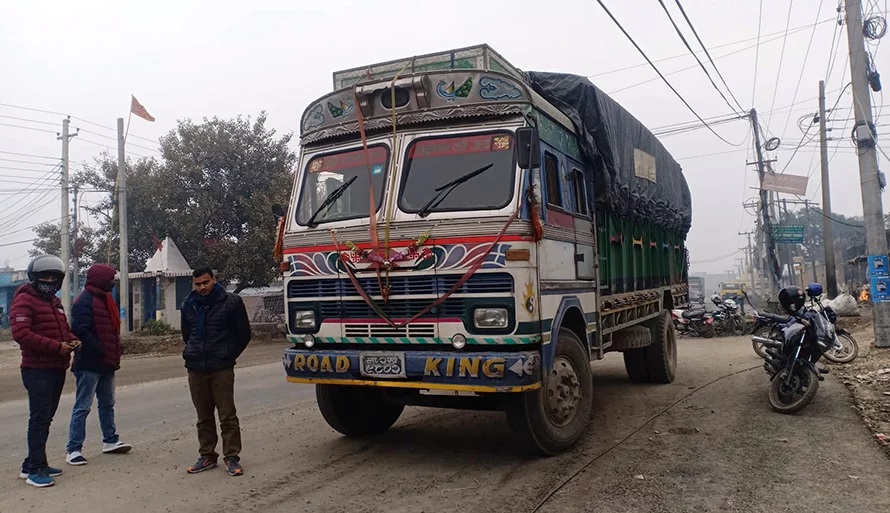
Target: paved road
column 718, row 449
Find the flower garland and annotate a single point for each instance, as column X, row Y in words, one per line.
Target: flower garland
column 412, row 252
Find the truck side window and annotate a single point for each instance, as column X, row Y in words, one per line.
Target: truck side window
column 551, row 177
column 579, row 188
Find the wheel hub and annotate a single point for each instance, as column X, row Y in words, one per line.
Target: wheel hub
column 562, row 394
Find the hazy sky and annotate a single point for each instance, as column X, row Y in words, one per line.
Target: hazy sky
column 189, row 59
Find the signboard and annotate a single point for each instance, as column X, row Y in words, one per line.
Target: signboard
column 878, row 266
column 789, row 184
column 879, row 276
column 788, row 233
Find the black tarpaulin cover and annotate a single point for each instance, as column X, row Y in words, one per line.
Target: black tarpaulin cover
column 608, row 136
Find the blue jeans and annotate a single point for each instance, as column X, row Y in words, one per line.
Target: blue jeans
column 89, row 384
column 44, row 390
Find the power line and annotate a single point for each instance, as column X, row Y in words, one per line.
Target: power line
column 757, row 54
column 111, row 148
column 115, row 139
column 678, row 56
column 17, row 242
column 112, row 129
column 33, row 109
column 23, row 169
column 660, row 74
column 692, row 52
column 781, row 58
column 31, row 162
column 695, row 33
column 690, row 157
column 29, row 128
column 29, row 155
column 803, row 67
column 29, row 120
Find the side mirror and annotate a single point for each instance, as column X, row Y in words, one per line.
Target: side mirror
column 278, row 210
column 528, row 147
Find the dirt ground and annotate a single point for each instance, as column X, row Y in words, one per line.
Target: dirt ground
column 868, row 380
column 707, row 442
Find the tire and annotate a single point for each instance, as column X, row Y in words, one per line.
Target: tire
column 849, row 355
column 763, row 332
column 777, row 398
column 356, row 411
column 738, row 327
column 656, row 363
column 551, row 419
column 709, row 331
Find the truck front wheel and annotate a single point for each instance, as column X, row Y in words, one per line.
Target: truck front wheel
column 552, row 418
column 356, row 411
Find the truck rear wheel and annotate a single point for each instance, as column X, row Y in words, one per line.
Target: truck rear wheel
column 656, row 363
column 356, row 411
column 552, row 418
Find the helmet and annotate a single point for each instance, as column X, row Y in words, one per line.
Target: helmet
column 46, row 264
column 792, row 299
column 814, row 290
column 716, row 299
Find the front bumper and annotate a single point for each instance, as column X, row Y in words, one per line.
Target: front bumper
column 424, row 370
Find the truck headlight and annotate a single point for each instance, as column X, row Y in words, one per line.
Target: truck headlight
column 490, row 317
column 304, row 319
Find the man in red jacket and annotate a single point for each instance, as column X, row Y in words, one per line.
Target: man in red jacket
column 41, row 329
column 96, row 322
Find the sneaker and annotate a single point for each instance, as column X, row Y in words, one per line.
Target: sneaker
column 53, row 472
column 233, row 466
column 201, row 465
column 116, row 448
column 75, row 458
column 40, row 480
column 23, row 474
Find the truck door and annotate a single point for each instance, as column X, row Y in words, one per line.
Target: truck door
column 582, row 213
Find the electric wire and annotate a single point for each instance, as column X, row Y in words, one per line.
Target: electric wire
column 781, row 59
column 677, row 93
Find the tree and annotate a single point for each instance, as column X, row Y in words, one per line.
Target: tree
column 212, row 192
column 48, row 240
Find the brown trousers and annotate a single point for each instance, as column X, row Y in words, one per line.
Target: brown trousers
column 211, row 391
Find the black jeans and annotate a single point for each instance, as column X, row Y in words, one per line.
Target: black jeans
column 44, row 390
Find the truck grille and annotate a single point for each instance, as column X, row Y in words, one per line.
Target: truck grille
column 480, row 283
column 395, row 308
column 385, row 330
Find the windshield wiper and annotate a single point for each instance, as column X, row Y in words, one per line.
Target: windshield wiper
column 329, row 201
column 442, row 193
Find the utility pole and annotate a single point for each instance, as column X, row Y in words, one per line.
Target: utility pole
column 65, row 227
column 789, row 260
column 75, row 255
column 872, row 208
column 827, row 229
column 750, row 261
column 764, row 210
column 124, row 284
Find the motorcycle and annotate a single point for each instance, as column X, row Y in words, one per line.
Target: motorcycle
column 694, row 321
column 791, row 362
column 727, row 317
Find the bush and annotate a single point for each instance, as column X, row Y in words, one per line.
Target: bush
column 155, row 327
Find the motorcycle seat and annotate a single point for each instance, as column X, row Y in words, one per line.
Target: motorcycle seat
column 692, row 314
column 779, row 319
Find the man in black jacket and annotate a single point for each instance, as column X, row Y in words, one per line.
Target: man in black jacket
column 216, row 330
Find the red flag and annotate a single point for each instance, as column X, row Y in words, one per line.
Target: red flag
column 139, row 110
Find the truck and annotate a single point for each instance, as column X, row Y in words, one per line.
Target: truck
column 463, row 234
column 696, row 287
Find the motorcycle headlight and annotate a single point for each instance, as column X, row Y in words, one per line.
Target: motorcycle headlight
column 490, row 317
column 304, row 319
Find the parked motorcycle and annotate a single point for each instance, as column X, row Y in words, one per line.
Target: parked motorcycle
column 727, row 318
column 694, row 321
column 791, row 363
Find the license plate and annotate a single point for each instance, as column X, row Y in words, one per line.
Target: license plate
column 383, row 365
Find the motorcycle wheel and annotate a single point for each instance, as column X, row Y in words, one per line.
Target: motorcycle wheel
column 847, row 353
column 709, row 331
column 738, row 327
column 763, row 332
column 798, row 394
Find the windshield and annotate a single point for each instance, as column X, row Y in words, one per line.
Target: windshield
column 326, row 173
column 474, row 172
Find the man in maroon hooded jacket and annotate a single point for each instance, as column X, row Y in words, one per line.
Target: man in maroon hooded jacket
column 95, row 320
column 41, row 329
